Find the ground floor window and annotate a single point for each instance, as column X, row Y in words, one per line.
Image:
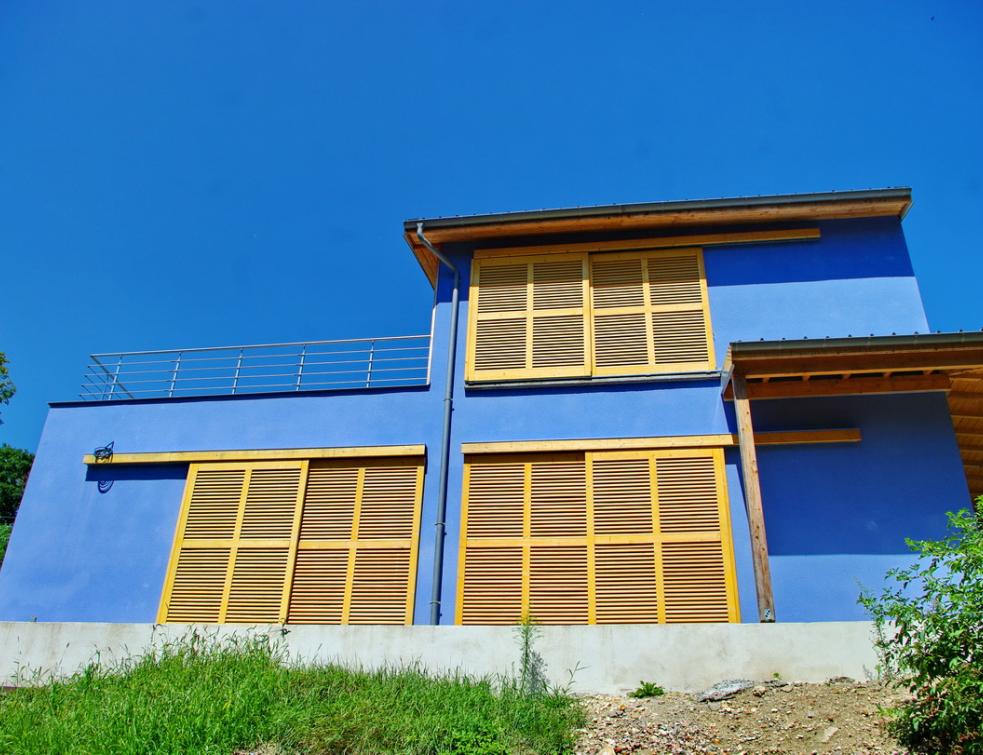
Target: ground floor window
column 608, row 537
column 299, row 542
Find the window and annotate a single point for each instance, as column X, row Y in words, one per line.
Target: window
column 580, row 314
column 612, row 537
column 299, row 542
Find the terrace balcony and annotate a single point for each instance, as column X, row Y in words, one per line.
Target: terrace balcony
column 351, row 364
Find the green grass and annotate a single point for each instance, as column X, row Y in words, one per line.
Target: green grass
column 202, row 696
column 4, row 538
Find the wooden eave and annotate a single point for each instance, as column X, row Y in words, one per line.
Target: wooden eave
column 851, row 366
column 665, row 216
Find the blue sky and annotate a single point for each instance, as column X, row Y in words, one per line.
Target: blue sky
column 192, row 174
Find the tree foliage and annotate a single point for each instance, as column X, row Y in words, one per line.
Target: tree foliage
column 15, row 464
column 7, row 387
column 930, row 639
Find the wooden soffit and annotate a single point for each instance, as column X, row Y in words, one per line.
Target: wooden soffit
column 658, row 216
column 853, row 366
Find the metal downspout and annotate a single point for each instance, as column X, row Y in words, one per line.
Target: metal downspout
column 445, row 442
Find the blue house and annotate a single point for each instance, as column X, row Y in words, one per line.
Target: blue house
column 701, row 411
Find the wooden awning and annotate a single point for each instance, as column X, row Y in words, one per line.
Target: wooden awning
column 851, row 366
column 949, row 362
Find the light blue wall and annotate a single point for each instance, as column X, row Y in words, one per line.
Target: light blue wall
column 78, row 553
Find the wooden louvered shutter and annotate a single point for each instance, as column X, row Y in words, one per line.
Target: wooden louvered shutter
column 524, row 546
column 649, row 313
column 619, row 537
column 664, row 550
column 529, row 318
column 234, row 545
column 356, row 560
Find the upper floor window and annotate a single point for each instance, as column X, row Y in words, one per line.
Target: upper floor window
column 583, row 314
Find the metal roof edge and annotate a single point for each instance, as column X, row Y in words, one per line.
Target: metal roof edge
column 897, row 193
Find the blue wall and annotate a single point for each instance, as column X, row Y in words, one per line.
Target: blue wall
column 835, row 514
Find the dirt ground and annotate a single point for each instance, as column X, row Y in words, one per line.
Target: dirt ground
column 840, row 716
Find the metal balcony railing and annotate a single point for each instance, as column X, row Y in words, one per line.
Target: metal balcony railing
column 259, row 368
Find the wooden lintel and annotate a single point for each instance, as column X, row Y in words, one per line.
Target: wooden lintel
column 657, row 242
column 924, row 360
column 752, row 500
column 187, row 457
column 720, row 440
column 855, row 386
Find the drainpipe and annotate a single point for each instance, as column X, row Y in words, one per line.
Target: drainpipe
column 445, row 441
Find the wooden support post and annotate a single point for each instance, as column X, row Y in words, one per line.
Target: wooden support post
column 752, row 500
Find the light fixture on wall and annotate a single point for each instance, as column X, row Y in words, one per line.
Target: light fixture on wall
column 104, row 453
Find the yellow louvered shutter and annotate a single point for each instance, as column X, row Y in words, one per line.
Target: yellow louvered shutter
column 609, row 537
column 356, row 561
column 529, row 318
column 273, row 542
column 650, row 313
column 234, row 543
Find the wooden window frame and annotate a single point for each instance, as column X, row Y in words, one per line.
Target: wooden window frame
column 589, row 369
column 296, row 542
column 591, row 539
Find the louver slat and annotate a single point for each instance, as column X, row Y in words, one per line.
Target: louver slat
column 626, row 584
column 688, row 499
column 214, row 504
column 528, row 318
column 695, row 583
column 317, row 595
column 257, row 585
column 492, row 586
column 271, row 502
column 558, row 584
column 495, row 500
column 329, row 503
column 558, row 499
column 388, row 503
column 622, row 496
column 649, row 313
column 196, row 595
column 380, row 585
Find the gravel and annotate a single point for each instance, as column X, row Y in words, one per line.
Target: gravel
column 840, row 716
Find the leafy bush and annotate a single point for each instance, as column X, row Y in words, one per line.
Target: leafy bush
column 203, row 695
column 930, row 640
column 647, row 689
column 15, row 465
column 4, row 539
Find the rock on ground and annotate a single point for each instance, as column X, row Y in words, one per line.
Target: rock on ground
column 840, row 716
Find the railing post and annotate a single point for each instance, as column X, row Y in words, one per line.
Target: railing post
column 112, row 387
column 300, row 366
column 177, row 366
column 235, row 378
column 368, row 373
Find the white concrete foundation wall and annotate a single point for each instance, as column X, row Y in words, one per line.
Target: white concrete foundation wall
column 602, row 659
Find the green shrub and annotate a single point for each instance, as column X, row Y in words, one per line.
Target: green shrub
column 647, row 689
column 202, row 695
column 930, row 640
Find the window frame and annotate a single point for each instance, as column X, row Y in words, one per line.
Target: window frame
column 589, row 369
column 296, row 542
column 591, row 539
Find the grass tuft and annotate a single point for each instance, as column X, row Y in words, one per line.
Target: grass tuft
column 202, row 695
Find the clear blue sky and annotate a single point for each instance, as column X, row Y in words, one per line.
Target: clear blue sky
column 204, row 173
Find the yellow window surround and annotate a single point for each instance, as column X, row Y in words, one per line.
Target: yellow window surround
column 581, row 314
column 633, row 536
column 259, row 454
column 324, row 541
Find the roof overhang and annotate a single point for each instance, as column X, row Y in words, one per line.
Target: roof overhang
column 893, row 202
column 851, row 366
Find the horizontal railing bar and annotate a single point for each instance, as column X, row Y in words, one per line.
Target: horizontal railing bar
column 232, row 359
column 255, row 346
column 246, row 389
column 167, row 375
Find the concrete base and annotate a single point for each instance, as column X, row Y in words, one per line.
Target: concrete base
column 591, row 659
